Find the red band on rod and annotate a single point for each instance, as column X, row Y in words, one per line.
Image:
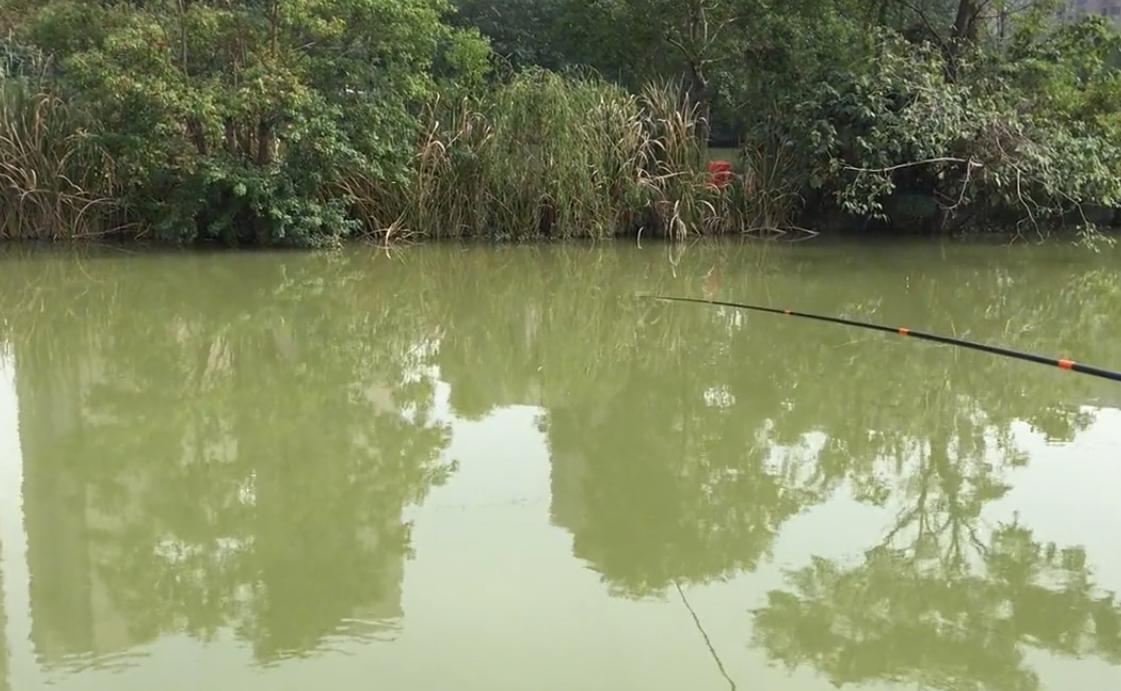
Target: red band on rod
column 904, row 332
column 1066, row 364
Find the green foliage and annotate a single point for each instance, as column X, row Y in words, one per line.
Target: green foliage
column 235, row 120
column 1015, row 133
column 549, row 156
column 304, row 122
column 931, row 114
column 56, row 182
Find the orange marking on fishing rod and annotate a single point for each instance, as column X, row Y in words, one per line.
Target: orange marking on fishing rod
column 921, row 335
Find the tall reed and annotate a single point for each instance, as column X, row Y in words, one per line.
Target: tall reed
column 681, row 201
column 764, row 200
column 550, row 156
column 54, row 182
column 541, row 155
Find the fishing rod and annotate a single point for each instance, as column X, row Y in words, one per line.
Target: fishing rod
column 1062, row 363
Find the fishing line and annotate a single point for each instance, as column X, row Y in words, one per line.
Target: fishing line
column 708, row 641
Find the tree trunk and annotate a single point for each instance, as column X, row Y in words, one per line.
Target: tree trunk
column 231, row 137
column 197, row 135
column 964, row 34
column 265, row 142
column 274, row 27
column 700, row 96
column 965, row 24
column 246, row 140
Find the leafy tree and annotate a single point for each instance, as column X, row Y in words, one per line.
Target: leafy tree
column 239, row 119
column 930, row 114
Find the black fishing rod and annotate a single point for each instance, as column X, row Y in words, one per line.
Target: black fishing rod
column 1062, row 363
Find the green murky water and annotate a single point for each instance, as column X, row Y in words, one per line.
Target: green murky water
column 485, row 469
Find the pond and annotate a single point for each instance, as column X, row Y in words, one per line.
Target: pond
column 494, row 468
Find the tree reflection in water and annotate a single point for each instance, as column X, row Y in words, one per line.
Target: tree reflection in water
column 219, row 444
column 682, row 439
column 914, row 614
column 212, row 445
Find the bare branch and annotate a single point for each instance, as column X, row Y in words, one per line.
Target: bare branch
column 929, row 161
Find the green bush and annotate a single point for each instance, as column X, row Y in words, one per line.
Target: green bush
column 237, row 121
column 304, row 122
column 1021, row 134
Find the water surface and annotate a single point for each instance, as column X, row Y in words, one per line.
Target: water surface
column 478, row 468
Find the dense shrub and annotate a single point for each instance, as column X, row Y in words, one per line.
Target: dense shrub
column 1000, row 140
column 303, row 122
column 233, row 120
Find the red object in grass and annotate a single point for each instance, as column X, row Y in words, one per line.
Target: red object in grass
column 719, row 174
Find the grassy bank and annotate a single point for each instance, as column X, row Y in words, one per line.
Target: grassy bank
column 303, row 124
column 540, row 157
